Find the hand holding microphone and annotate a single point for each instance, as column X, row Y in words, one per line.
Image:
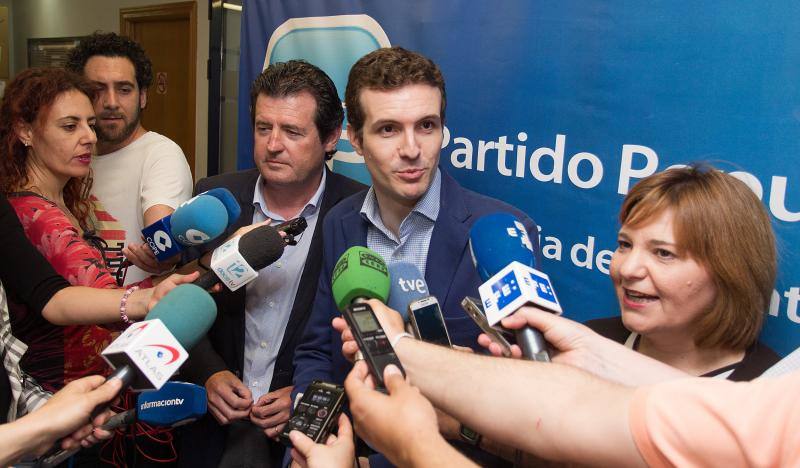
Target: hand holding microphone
column 196, row 221
column 503, row 256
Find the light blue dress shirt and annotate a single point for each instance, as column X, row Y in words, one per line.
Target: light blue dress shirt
column 415, row 230
column 270, row 297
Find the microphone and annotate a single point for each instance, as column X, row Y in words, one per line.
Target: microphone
column 503, row 257
column 359, row 274
column 148, row 353
column 195, row 221
column 236, row 262
column 406, row 287
column 228, row 200
column 175, row 404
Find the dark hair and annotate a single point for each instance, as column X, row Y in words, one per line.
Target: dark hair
column 722, row 225
column 28, row 99
column 387, row 69
column 112, row 45
column 293, row 77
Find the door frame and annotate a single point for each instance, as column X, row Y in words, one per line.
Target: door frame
column 129, row 17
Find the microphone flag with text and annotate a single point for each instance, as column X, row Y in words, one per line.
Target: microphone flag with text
column 236, row 262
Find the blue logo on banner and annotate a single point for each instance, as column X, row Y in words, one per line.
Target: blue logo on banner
column 506, row 290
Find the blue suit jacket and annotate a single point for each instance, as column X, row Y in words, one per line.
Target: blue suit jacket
column 449, row 272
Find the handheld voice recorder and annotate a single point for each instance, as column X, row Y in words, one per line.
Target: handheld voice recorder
column 292, row 228
column 372, row 340
column 316, row 413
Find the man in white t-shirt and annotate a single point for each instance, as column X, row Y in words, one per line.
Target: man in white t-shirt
column 140, row 176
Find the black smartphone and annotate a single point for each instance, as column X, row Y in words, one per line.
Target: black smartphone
column 426, row 320
column 372, row 340
column 474, row 309
column 316, row 413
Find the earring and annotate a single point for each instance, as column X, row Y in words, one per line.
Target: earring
column 26, row 143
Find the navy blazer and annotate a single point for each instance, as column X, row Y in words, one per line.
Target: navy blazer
column 449, row 272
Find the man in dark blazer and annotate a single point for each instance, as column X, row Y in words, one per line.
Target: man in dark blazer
column 414, row 210
column 245, row 362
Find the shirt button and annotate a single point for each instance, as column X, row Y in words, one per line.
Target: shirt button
column 271, row 304
column 279, row 264
column 254, row 384
column 263, row 344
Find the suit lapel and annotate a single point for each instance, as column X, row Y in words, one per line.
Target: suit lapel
column 448, row 241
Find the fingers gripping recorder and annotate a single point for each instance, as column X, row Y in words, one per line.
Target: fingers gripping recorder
column 196, row 221
column 362, row 274
column 504, row 258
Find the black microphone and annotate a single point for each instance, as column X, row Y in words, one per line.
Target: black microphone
column 236, row 262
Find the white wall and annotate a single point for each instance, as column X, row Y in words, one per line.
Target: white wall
column 65, row 18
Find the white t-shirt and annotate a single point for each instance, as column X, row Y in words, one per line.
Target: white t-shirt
column 150, row 171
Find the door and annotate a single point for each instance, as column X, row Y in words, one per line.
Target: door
column 167, row 32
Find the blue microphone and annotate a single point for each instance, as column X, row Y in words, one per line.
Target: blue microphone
column 407, row 285
column 196, row 221
column 503, row 256
column 228, row 200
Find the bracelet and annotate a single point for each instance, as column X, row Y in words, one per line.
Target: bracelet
column 123, row 304
column 397, row 338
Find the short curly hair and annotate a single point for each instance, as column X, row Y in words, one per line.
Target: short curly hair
column 387, row 69
column 112, row 45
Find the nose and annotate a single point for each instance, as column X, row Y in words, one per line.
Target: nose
column 274, row 142
column 109, row 99
column 89, row 137
column 409, row 145
column 630, row 264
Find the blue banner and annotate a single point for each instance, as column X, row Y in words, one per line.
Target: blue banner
column 560, row 107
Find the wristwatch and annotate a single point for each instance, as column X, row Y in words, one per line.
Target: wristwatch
column 469, row 436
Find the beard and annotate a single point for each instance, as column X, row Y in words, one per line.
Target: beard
column 112, row 135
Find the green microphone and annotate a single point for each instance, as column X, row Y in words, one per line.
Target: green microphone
column 359, row 274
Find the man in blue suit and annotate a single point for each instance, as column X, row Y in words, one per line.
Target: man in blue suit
column 414, row 210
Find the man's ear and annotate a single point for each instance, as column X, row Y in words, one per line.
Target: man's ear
column 333, row 139
column 142, row 98
column 355, row 140
column 24, row 132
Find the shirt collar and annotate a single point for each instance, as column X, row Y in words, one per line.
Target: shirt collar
column 311, row 207
column 427, row 206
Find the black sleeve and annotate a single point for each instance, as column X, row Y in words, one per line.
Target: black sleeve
column 26, row 274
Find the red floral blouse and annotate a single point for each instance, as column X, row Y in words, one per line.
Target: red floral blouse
column 59, row 354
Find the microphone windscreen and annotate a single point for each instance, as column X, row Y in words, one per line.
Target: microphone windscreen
column 173, row 403
column 261, row 247
column 360, row 272
column 188, row 312
column 407, row 285
column 198, row 221
column 496, row 240
column 226, row 197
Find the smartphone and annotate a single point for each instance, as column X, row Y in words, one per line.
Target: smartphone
column 372, row 341
column 316, row 413
column 425, row 317
column 474, row 309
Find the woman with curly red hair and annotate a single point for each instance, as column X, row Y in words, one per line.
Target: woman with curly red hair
column 46, row 143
